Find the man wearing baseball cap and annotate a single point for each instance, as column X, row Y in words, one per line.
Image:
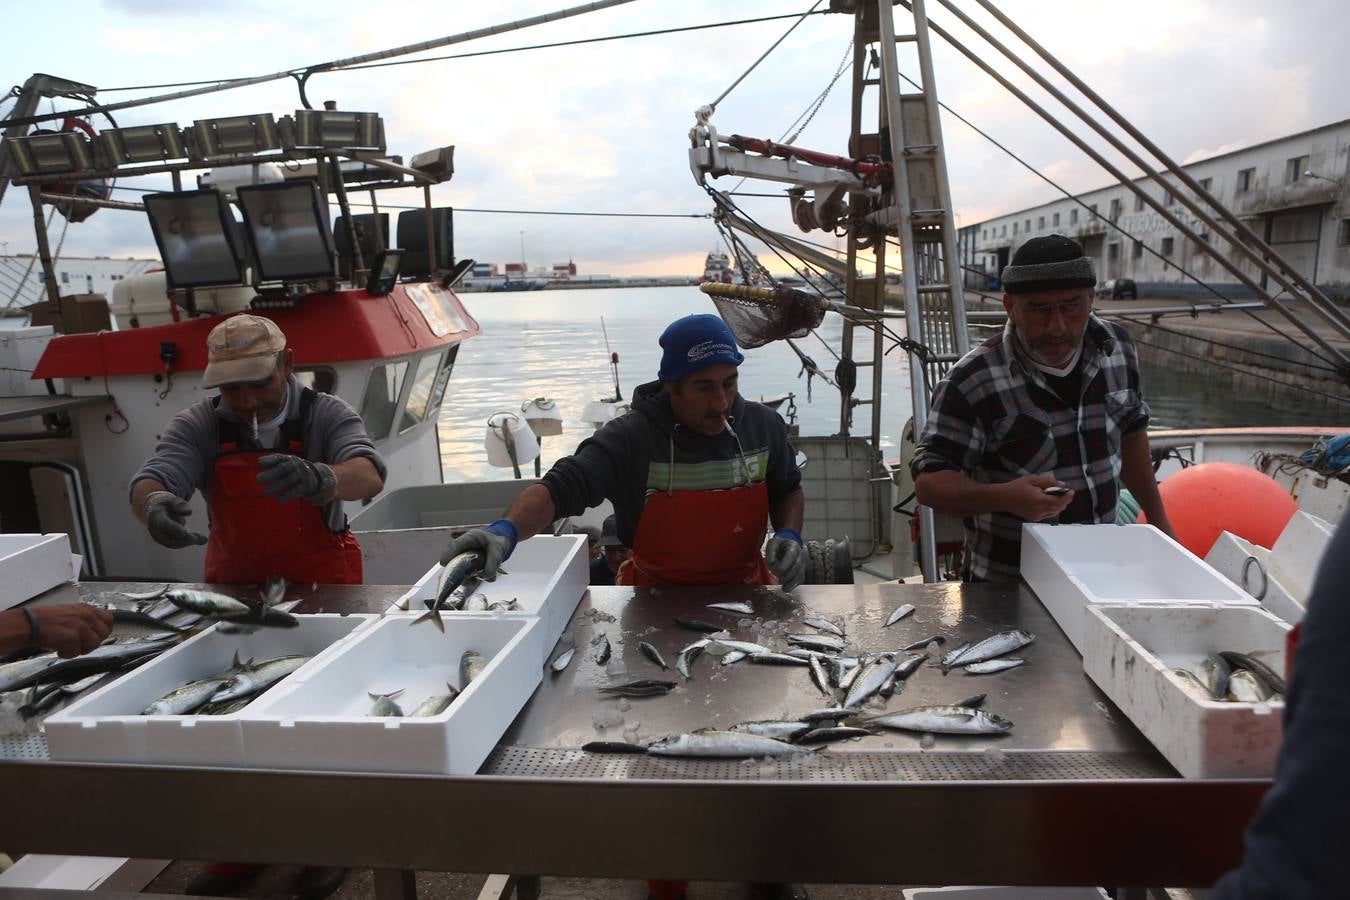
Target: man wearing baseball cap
column 695, row 473
column 1041, row 423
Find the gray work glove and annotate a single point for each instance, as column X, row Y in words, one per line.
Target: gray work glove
column 286, row 477
column 495, row 542
column 165, row 515
column 786, row 557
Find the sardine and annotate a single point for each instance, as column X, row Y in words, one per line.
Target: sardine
column 823, row 642
column 435, row 704
column 1264, row 673
column 909, row 665
column 1245, row 687
column 833, row 733
column 819, row 676
column 990, row 647
column 107, row 657
column 899, row 614
column 920, row 644
column 974, row 702
column 562, row 660
column 733, row 657
column 385, row 705
column 687, row 657
column 612, row 747
column 471, row 665
column 869, row 681
column 207, row 603
column 453, row 574
column 715, row 645
column 646, row 687
column 722, row 744
column 824, row 625
column 602, row 650
column 833, row 714
column 188, row 698
column 736, row 607
column 653, row 654
column 944, row 720
column 1215, row 672
column 1192, row 683
column 777, row 659
column 697, row 625
column 991, row 666
column 779, row 731
column 849, row 677
column 255, row 679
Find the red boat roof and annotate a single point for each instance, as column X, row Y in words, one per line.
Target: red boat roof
column 342, row 326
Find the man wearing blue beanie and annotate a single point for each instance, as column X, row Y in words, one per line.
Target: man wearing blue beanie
column 695, row 473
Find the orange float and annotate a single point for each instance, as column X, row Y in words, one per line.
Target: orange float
column 1205, row 500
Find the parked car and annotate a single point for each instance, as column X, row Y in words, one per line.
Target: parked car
column 1118, row 289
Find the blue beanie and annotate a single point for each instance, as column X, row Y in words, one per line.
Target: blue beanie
column 694, row 343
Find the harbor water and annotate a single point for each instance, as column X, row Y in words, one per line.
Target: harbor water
column 552, row 344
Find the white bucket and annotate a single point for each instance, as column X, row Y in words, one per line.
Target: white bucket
column 543, row 416
column 525, row 444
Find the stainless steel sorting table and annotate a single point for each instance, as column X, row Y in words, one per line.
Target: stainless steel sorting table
column 1074, row 796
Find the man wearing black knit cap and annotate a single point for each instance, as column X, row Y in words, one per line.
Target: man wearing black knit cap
column 1053, row 403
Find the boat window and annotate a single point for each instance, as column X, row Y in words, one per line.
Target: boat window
column 381, row 399
column 442, row 378
column 419, row 395
column 321, row 379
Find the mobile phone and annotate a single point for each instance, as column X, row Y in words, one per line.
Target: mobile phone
column 1055, row 490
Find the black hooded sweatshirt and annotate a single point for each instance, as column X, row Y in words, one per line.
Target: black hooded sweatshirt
column 630, row 457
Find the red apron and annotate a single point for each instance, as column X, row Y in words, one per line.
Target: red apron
column 700, row 537
column 253, row 537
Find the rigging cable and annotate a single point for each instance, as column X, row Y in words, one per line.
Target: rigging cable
column 764, row 55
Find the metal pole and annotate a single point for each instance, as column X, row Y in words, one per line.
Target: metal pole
column 359, row 271
column 44, row 249
column 431, row 237
column 379, row 229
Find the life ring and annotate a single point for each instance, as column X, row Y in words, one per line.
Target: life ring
column 94, row 188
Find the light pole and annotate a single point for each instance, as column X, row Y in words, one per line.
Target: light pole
column 522, row 254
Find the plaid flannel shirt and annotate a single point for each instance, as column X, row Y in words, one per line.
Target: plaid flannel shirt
column 995, row 418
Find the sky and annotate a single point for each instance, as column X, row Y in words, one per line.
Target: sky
column 603, row 127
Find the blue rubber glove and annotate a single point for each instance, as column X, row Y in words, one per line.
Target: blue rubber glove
column 496, row 542
column 786, row 557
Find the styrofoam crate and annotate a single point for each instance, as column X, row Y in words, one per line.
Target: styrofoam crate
column 1130, row 652
column 107, row 725
column 547, row 574
column 1073, row 566
column 1248, row 566
column 1006, row 893
column 1298, row 552
column 31, row 564
column 322, row 721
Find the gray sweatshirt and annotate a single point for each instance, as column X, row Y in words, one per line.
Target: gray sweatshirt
column 186, row 451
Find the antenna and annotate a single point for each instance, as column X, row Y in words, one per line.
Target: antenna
column 613, row 362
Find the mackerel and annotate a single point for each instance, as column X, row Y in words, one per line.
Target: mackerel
column 1193, row 684
column 208, row 603
column 254, row 679
column 722, row 744
column 435, row 704
column 824, row 625
column 1216, row 672
column 990, row 647
column 869, row 681
column 779, row 731
column 944, row 720
column 697, row 625
column 471, row 665
column 653, row 654
column 819, row 676
column 921, row 644
column 833, row 714
column 190, row 697
column 602, row 650
column 735, row 607
column 777, row 659
column 454, row 573
column 1264, row 673
column 733, row 657
column 833, row 733
column 909, row 665
column 147, row 595
column 645, row 687
column 385, row 705
column 849, row 677
column 562, row 660
column 991, row 666
column 715, row 645
column 687, row 657
column 899, row 614
column 824, row 642
column 974, row 702
column 1245, row 687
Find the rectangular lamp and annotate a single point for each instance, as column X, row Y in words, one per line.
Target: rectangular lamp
column 239, row 135
column 287, row 228
column 53, row 153
column 334, row 129
column 194, row 231
column 143, row 144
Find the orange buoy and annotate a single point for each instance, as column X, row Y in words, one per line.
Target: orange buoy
column 1205, row 500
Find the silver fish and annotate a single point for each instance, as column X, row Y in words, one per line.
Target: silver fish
column 453, row 574
column 924, row 642
column 779, row 731
column 988, row 667
column 471, row 665
column 733, row 657
column 653, row 654
column 273, row 591
column 1245, row 687
column 84, row 684
column 687, row 657
column 435, row 704
column 512, row 605
column 834, row 733
column 990, row 647
column 819, row 676
column 909, row 665
column 602, row 650
column 190, row 697
column 944, row 720
column 207, row 603
column 1216, row 673
column 833, row 714
column 849, row 677
column 257, row 678
column 643, row 687
column 724, row 744
column 777, row 659
column 147, row 595
column 899, row 614
column 385, row 705
column 736, row 607
column 824, row 642
column 1264, row 673
column 824, row 625
column 973, row 702
column 107, row 657
column 1193, row 684
column 717, row 646
column 18, row 673
column 562, row 660
column 869, row 681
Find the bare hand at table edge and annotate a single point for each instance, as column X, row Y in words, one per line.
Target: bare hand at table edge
column 68, row 628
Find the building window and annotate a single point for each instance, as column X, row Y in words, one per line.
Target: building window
column 1115, row 208
column 1205, row 183
column 1294, row 169
column 1169, row 199
column 1113, row 252
column 1056, row 220
column 1073, row 217
column 1014, row 229
column 1167, row 246
column 1345, row 233
column 1003, row 232
column 1245, row 179
column 1092, row 208
column 1137, row 251
column 1028, row 226
column 1138, row 203
column 1204, row 236
column 984, row 235
column 1040, row 223
column 65, row 278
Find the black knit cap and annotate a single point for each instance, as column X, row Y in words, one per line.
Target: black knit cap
column 1048, row 263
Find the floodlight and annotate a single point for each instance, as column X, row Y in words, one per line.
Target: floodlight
column 438, row 164
column 332, row 129
column 234, row 136
column 50, row 153
column 457, row 272
column 143, row 144
column 384, row 272
column 194, row 231
column 287, row 228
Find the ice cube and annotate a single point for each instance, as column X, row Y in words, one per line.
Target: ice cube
column 927, row 741
column 607, row 718
column 615, row 667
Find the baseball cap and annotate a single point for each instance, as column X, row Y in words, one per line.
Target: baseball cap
column 609, row 533
column 243, row 348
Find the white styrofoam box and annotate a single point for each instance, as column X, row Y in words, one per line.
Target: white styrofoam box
column 1006, row 893
column 1130, row 652
column 20, row 350
column 547, row 574
column 1248, row 566
column 322, row 721
column 31, row 564
column 107, row 725
column 1073, row 566
column 1298, row 551
column 81, row 873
